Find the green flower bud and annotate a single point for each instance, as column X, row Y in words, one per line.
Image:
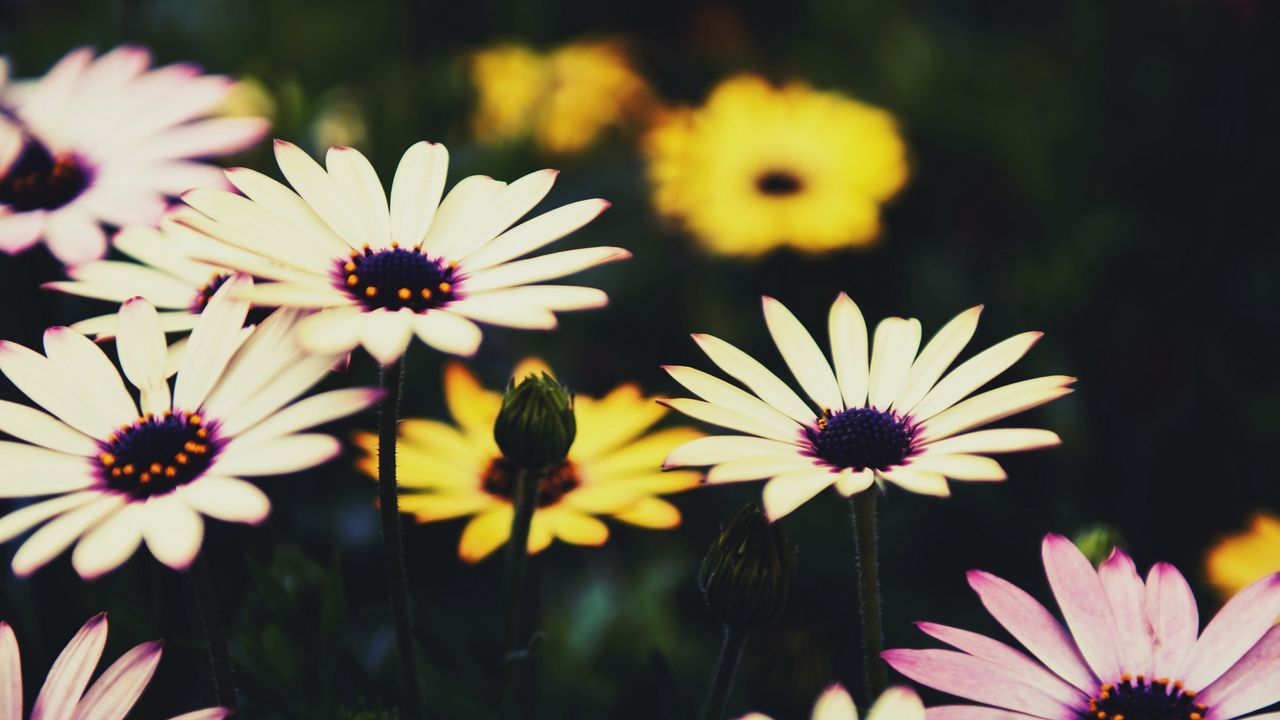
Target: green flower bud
column 535, row 426
column 746, row 575
column 1097, row 542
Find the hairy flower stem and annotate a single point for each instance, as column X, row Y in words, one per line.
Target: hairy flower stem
column 864, row 529
column 517, row 556
column 392, row 546
column 735, row 641
column 215, row 634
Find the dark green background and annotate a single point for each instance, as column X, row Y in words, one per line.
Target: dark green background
column 1103, row 171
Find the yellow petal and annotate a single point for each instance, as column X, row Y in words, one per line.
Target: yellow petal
column 576, row 528
column 531, row 366
column 613, row 420
column 474, row 407
column 540, row 534
column 651, row 512
column 1238, row 560
column 485, row 533
column 643, row 455
column 429, row 507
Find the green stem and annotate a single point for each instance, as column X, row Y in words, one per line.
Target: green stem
column 864, row 527
column 392, row 546
column 517, row 555
column 215, row 634
column 735, row 641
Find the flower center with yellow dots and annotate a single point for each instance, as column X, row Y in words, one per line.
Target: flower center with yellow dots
column 500, row 481
column 862, row 438
column 397, row 278
column 36, row 180
column 1136, row 698
column 157, row 454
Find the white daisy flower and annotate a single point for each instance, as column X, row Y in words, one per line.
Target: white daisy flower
column 124, row 472
column 896, row 418
column 63, row 695
column 107, row 141
column 382, row 272
column 165, row 273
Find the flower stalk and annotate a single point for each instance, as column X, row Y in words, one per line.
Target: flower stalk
column 517, row 555
column 392, row 545
column 864, row 527
column 215, row 633
column 731, row 649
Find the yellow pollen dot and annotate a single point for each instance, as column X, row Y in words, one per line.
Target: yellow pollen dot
column 349, row 267
column 144, row 478
column 107, row 459
column 115, row 472
column 1196, row 716
column 371, row 291
column 394, row 244
column 128, row 469
column 202, row 433
column 181, row 458
column 426, row 293
column 156, row 468
column 453, row 265
column 1125, row 678
column 195, row 420
column 404, row 293
column 170, row 471
column 352, row 280
column 444, row 287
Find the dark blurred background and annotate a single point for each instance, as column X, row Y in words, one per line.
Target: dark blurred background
column 1102, row 171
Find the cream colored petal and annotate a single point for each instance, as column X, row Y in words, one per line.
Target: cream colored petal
column 321, row 193
column 227, row 498
column 287, row 205
column 461, row 214
column 973, row 374
column 33, row 426
column 534, row 234
column 333, row 331
column 835, row 704
column 39, row 379
column 143, row 353
column 751, row 373
column 898, row 703
column 386, row 334
column 1000, row 440
column 892, row 353
column 356, row 179
column 787, row 492
column 279, row 456
column 23, row 519
column 760, row 468
column 719, row 392
column 30, row 471
column 937, row 356
column 447, row 332
column 723, row 448
column 173, row 531
column 994, row 405
column 214, row 340
column 416, row 190
column 49, row 541
column 802, row 355
column 852, row 483
column 508, row 205
column 541, row 268
column 917, row 481
column 959, row 466
column 70, row 674
column 110, row 544
column 494, row 309
column 88, row 372
column 726, row 418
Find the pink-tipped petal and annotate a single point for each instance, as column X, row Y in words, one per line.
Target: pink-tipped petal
column 71, row 672
column 1017, row 663
column 1083, row 603
column 1034, row 627
column 1251, row 683
column 1127, row 594
column 1174, row 618
column 116, row 691
column 979, row 680
column 1233, row 631
column 11, row 678
column 972, row 712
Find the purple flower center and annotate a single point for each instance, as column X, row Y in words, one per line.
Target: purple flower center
column 779, row 183
column 500, row 481
column 1136, row 699
column 36, row 180
column 397, row 278
column 862, row 438
column 154, row 455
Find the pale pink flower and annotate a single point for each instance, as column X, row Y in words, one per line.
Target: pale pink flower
column 897, row 703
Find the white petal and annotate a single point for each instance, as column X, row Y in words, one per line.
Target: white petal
column 994, row 405
column 104, row 548
column 287, row 454
column 937, row 356
column 216, row 713
column 386, row 333
column 285, row 204
column 726, row 418
column 118, row 281
column 49, row 541
column 213, row 341
column 461, row 215
column 503, row 311
column 228, row 499
column 143, row 352
column 959, row 467
column 30, row 470
column 356, row 179
column 173, row 531
column 296, row 379
column 447, row 332
column 973, row 374
column 509, row 205
column 722, row 448
column 751, row 373
column 759, row 468
column 848, row 333
column 20, row 231
column 802, row 355
column 39, row 379
column 551, row 297
column 294, row 294
column 312, row 411
column 719, row 392
column 835, row 704
column 897, row 703
column 851, row 483
column 543, row 267
column 11, row 679
column 22, row 520
column 917, row 481
column 416, row 191
column 321, row 193
column 1000, row 440
column 87, row 369
column 892, row 352
column 788, row 492
column 42, row 429
column 534, row 234
column 74, row 238
column 114, row 694
column 70, row 674
column 332, row 331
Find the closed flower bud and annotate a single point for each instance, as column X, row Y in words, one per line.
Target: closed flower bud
column 535, row 426
column 746, row 575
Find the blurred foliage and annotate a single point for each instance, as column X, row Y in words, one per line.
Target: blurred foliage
column 1098, row 170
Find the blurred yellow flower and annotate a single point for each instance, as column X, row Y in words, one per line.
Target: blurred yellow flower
column 1238, row 560
column 564, row 98
column 248, row 97
column 758, row 167
column 613, row 468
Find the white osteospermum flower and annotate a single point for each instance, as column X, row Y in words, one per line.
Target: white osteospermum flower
column 125, row 472
column 107, row 140
column 896, row 417
column 63, row 696
column 897, row 703
column 165, row 273
column 380, row 272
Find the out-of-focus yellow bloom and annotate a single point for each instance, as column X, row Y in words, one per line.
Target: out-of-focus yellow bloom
column 564, row 98
column 759, row 166
column 339, row 122
column 1238, row 560
column 248, row 97
column 613, row 468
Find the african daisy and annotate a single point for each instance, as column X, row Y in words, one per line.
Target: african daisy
column 1130, row 649
column 896, row 703
column 896, row 418
column 107, row 141
column 125, row 471
column 380, row 272
column 63, row 695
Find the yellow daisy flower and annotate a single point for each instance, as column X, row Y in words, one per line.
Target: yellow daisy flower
column 614, row 468
column 1236, row 561
column 564, row 98
column 759, row 166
